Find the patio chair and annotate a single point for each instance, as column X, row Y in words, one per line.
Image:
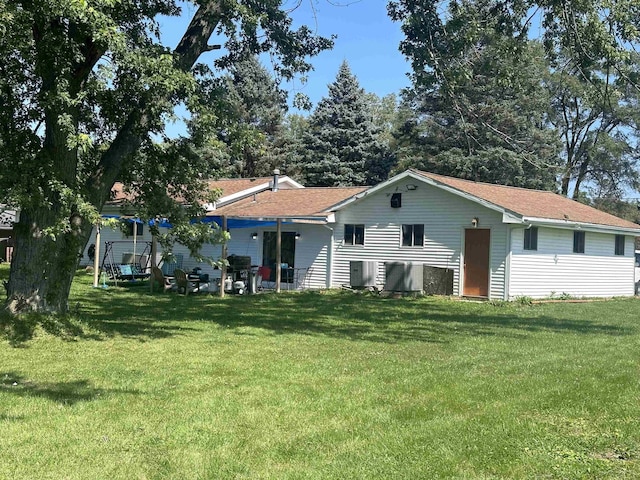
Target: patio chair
column 166, row 283
column 189, row 285
column 264, row 275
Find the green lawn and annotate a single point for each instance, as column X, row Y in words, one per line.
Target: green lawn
column 312, row 385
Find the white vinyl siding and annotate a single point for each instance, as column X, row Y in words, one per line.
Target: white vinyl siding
column 554, row 269
column 444, row 216
column 310, row 254
column 311, row 250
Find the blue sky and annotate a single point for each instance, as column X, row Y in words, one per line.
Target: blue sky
column 366, row 38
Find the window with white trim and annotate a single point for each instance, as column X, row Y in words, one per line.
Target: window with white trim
column 353, row 234
column 531, row 238
column 413, row 235
column 619, row 248
column 578, row 242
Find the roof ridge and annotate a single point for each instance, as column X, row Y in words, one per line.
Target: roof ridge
column 475, row 182
column 239, row 178
column 335, row 188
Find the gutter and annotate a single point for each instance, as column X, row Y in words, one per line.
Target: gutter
column 293, row 219
column 573, row 225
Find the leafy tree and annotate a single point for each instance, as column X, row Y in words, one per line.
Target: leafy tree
column 384, row 115
column 588, row 46
column 489, row 129
column 342, row 145
column 596, row 116
column 86, row 85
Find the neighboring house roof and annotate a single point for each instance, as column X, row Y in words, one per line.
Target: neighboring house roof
column 237, row 188
column 307, row 203
column 231, row 186
column 519, row 205
column 231, row 189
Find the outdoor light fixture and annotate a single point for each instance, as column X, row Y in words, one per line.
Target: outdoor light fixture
column 411, row 186
column 297, row 236
column 474, row 222
column 254, row 235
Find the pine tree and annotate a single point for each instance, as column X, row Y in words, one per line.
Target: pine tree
column 486, row 129
column 254, row 134
column 342, row 145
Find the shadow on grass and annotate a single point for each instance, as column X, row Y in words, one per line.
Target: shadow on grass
column 131, row 311
column 18, row 330
column 65, row 393
column 10, row 418
column 342, row 314
column 364, row 317
column 99, row 314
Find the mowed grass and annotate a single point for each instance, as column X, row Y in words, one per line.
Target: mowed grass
column 320, row 385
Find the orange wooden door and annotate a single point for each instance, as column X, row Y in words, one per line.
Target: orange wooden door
column 476, row 262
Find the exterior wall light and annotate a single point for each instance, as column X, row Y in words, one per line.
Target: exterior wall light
column 254, row 235
column 297, row 235
column 474, row 222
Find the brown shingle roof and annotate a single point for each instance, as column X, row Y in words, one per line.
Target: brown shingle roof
column 532, row 203
column 303, row 202
column 227, row 186
column 234, row 185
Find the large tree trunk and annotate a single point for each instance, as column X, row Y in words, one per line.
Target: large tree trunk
column 42, row 268
column 45, row 258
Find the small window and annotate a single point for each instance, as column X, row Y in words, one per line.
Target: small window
column 396, row 200
column 129, row 229
column 578, row 242
column 620, row 244
column 531, row 238
column 353, row 234
column 413, row 235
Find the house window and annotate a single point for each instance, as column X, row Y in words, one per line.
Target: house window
column 620, row 244
column 129, row 229
column 531, row 238
column 578, row 242
column 353, row 234
column 413, row 235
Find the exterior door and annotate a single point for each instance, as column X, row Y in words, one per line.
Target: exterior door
column 476, row 262
column 287, row 253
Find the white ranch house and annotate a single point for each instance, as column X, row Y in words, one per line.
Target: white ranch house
column 484, row 240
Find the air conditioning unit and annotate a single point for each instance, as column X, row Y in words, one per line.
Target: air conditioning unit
column 363, row 273
column 403, row 277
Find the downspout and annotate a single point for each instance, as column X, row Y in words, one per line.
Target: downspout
column 329, row 275
column 507, row 267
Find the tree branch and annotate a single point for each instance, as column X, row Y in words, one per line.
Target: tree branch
column 131, row 135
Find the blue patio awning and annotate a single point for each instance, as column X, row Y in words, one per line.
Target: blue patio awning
column 232, row 223
column 238, row 222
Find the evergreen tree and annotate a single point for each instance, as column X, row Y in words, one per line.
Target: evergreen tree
column 342, row 145
column 487, row 128
column 250, row 137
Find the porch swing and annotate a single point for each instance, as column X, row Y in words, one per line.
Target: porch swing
column 131, row 267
